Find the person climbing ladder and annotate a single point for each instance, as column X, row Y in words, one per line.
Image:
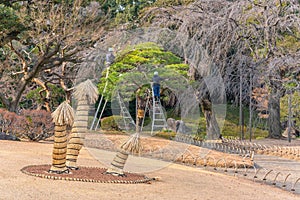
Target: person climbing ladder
column 156, row 86
column 158, row 116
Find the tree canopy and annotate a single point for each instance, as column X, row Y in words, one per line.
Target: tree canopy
column 141, row 61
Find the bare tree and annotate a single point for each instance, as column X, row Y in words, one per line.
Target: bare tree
column 55, row 35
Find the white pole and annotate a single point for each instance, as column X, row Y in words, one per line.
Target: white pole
column 92, row 126
column 101, row 114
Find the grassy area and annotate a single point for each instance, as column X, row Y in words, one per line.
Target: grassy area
column 232, row 128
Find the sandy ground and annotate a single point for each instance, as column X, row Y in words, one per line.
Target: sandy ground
column 177, row 181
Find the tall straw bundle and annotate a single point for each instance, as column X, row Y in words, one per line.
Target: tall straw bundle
column 133, row 144
column 87, row 90
column 63, row 115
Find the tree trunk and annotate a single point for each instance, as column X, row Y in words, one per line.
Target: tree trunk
column 118, row 163
column 290, row 117
column 140, row 113
column 212, row 127
column 77, row 136
column 46, row 97
column 59, row 150
column 241, row 117
column 250, row 105
column 12, row 106
column 274, row 114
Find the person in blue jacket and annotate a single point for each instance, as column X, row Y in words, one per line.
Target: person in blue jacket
column 156, row 85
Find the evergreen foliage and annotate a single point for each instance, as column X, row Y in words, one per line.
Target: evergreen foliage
column 35, row 97
column 124, row 11
column 166, row 3
column 138, row 63
column 10, row 23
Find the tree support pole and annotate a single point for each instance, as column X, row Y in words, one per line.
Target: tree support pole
column 98, row 108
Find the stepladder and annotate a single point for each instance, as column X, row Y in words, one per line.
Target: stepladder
column 128, row 123
column 158, row 116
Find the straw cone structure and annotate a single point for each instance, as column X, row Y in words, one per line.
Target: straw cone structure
column 62, row 116
column 132, row 145
column 86, row 93
column 118, row 163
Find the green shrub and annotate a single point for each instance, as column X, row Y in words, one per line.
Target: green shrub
column 111, row 123
column 167, row 134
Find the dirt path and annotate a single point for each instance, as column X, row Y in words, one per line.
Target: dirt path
column 177, row 182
